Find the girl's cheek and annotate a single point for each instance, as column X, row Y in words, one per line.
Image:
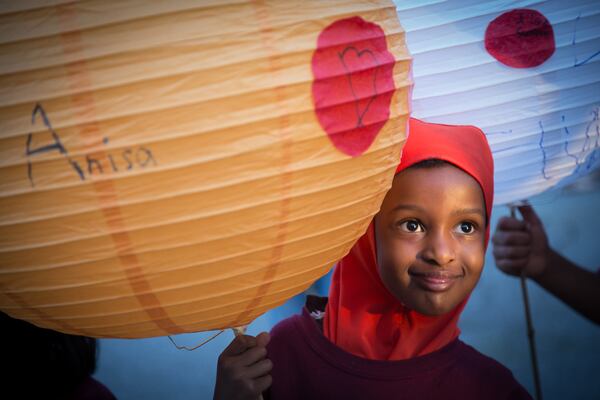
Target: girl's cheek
column 477, row 257
column 400, row 250
column 403, row 255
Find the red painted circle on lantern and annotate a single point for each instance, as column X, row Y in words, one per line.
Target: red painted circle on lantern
column 353, row 83
column 520, row 38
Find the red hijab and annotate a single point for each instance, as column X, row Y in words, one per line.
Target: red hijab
column 362, row 316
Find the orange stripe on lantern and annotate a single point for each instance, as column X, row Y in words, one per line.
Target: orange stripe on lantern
column 84, row 102
column 262, row 16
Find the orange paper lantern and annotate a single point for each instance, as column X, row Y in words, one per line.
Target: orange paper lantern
column 185, row 166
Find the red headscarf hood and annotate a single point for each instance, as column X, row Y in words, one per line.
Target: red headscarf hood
column 362, row 317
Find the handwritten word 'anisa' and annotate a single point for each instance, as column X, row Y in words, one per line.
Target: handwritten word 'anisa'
column 94, row 164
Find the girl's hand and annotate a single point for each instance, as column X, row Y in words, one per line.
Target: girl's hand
column 243, row 369
column 521, row 247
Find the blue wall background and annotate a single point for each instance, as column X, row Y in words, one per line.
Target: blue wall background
column 568, row 345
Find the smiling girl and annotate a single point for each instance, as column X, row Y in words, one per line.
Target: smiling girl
column 389, row 327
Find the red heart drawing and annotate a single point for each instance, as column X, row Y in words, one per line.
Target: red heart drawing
column 353, row 83
column 363, row 83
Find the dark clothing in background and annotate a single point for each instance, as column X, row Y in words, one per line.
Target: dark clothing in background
column 45, row 364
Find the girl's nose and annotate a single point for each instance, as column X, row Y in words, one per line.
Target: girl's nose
column 439, row 248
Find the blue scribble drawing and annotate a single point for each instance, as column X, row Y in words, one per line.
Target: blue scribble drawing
column 585, row 156
column 578, row 64
column 573, row 42
column 495, row 150
column 566, row 143
column 499, row 133
column 591, row 161
column 541, row 143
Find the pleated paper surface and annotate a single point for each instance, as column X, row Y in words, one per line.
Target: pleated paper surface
column 181, row 166
column 534, row 88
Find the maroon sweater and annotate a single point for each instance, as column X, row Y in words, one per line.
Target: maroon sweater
column 306, row 365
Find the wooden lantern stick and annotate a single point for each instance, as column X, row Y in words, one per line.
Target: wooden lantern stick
column 530, row 330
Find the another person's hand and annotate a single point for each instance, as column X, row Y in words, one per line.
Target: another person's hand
column 243, row 369
column 521, row 246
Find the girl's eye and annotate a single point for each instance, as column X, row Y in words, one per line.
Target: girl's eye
column 411, row 226
column 466, row 228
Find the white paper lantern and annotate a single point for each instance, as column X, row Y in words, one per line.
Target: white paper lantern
column 542, row 122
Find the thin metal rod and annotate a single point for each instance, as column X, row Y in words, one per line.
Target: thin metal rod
column 530, row 330
column 195, row 347
column 531, row 336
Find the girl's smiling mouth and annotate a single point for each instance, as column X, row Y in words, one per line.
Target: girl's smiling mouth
column 435, row 281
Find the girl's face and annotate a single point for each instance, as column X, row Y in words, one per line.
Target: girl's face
column 430, row 238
